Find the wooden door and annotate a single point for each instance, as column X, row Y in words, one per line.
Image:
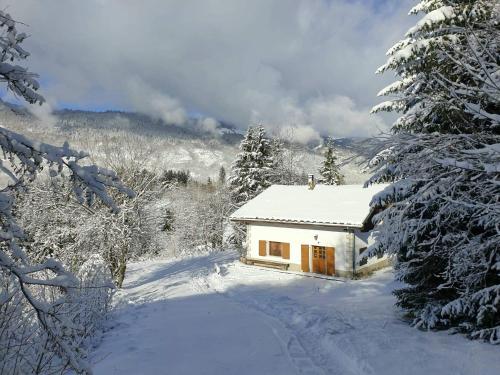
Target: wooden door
column 318, row 259
column 304, row 258
column 323, row 260
column 330, row 261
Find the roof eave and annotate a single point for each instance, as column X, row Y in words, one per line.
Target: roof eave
column 300, row 222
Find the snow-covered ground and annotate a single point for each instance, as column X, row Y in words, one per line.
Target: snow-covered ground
column 213, row 315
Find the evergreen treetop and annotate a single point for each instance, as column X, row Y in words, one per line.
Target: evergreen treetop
column 330, row 171
column 222, row 175
column 252, row 170
column 447, row 67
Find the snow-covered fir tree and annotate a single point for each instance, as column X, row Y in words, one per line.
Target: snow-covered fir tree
column 251, row 172
column 442, row 212
column 222, row 176
column 240, row 170
column 330, row 170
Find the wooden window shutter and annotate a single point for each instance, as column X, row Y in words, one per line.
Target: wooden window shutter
column 304, row 258
column 285, row 250
column 262, row 248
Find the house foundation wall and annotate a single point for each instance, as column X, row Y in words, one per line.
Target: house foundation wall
column 294, row 267
column 375, row 266
column 361, row 273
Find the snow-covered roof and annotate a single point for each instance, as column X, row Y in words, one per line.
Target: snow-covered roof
column 342, row 205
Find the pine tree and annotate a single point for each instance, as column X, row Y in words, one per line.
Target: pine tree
column 240, row 190
column 222, row 176
column 442, row 211
column 252, row 169
column 330, row 171
column 263, row 161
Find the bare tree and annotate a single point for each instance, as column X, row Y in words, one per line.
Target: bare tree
column 37, row 297
column 288, row 155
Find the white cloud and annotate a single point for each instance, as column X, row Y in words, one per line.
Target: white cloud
column 148, row 100
column 340, row 113
column 44, row 112
column 300, row 133
column 208, row 124
column 337, row 116
column 281, row 62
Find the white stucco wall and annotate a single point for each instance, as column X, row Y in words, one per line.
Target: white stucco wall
column 297, row 235
column 365, row 239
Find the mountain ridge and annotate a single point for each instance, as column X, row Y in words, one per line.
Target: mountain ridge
column 169, row 146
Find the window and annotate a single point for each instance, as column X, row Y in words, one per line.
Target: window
column 275, row 248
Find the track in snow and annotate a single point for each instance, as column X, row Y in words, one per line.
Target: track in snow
column 296, row 353
column 300, row 329
column 189, row 316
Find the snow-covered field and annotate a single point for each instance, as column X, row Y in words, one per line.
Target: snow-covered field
column 213, row 315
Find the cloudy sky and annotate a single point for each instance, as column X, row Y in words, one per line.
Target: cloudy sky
column 308, row 64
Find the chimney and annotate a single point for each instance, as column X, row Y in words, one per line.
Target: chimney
column 311, row 182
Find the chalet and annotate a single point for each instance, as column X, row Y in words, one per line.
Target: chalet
column 320, row 229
